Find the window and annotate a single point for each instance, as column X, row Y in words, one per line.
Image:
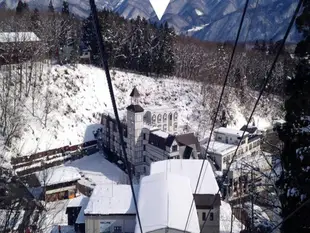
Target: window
column 175, row 126
column 144, row 136
column 144, row 169
column 143, row 147
column 170, row 116
column 165, row 127
column 165, row 117
column 154, row 118
column 203, row 216
column 144, row 158
column 175, row 116
column 118, row 228
column 174, row 148
column 211, row 216
column 159, row 118
column 219, row 137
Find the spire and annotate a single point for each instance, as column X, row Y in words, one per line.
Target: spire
column 135, row 107
column 134, row 93
column 135, row 96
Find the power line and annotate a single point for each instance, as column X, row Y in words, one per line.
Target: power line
column 269, row 75
column 104, row 58
column 290, row 215
column 219, row 105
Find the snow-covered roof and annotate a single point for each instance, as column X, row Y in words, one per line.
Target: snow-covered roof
column 111, row 199
column 7, row 37
column 160, row 133
column 220, row 148
column 164, row 202
column 58, row 175
column 230, row 131
column 162, row 108
column 78, row 201
column 190, row 169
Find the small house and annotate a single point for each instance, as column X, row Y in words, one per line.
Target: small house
column 59, row 183
column 111, row 209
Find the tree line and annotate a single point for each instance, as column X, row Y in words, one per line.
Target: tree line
column 136, row 44
column 145, row 47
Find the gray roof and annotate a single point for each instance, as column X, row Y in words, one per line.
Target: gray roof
column 188, row 139
column 134, row 92
column 8, row 37
column 161, row 142
column 135, row 108
column 249, row 129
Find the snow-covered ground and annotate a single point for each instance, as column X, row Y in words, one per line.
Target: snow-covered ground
column 79, row 94
column 54, row 217
column 225, row 220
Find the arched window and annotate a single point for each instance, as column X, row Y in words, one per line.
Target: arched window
column 170, row 116
column 175, row 116
column 165, row 127
column 159, row 118
column 175, row 126
column 165, row 117
column 154, row 118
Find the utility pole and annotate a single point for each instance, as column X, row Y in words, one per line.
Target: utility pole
column 252, row 201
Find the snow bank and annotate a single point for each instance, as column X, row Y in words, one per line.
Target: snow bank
column 225, row 220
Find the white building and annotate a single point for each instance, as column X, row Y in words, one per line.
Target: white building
column 164, row 200
column 164, row 204
column 205, row 193
column 111, row 209
column 150, row 135
column 222, row 149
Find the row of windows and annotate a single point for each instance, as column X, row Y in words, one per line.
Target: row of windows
column 164, row 117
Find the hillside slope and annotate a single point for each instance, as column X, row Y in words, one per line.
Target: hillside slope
column 79, row 94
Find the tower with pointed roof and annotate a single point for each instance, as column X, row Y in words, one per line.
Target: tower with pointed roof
column 135, row 124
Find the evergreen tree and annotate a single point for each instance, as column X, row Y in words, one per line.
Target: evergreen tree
column 65, row 8
column 51, row 7
column 271, row 47
column 263, row 48
column 295, row 179
column 223, row 120
column 256, row 45
column 89, row 39
column 169, row 62
column 35, row 19
column 21, row 7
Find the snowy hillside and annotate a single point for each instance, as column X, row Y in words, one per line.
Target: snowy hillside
column 77, row 96
column 216, row 20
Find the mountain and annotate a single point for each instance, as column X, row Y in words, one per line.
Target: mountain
column 213, row 20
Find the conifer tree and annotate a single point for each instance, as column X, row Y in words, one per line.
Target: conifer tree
column 51, row 7
column 295, row 179
column 89, row 39
column 21, row 7
column 35, row 19
column 65, row 8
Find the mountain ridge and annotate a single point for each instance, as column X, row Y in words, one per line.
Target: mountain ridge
column 210, row 20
